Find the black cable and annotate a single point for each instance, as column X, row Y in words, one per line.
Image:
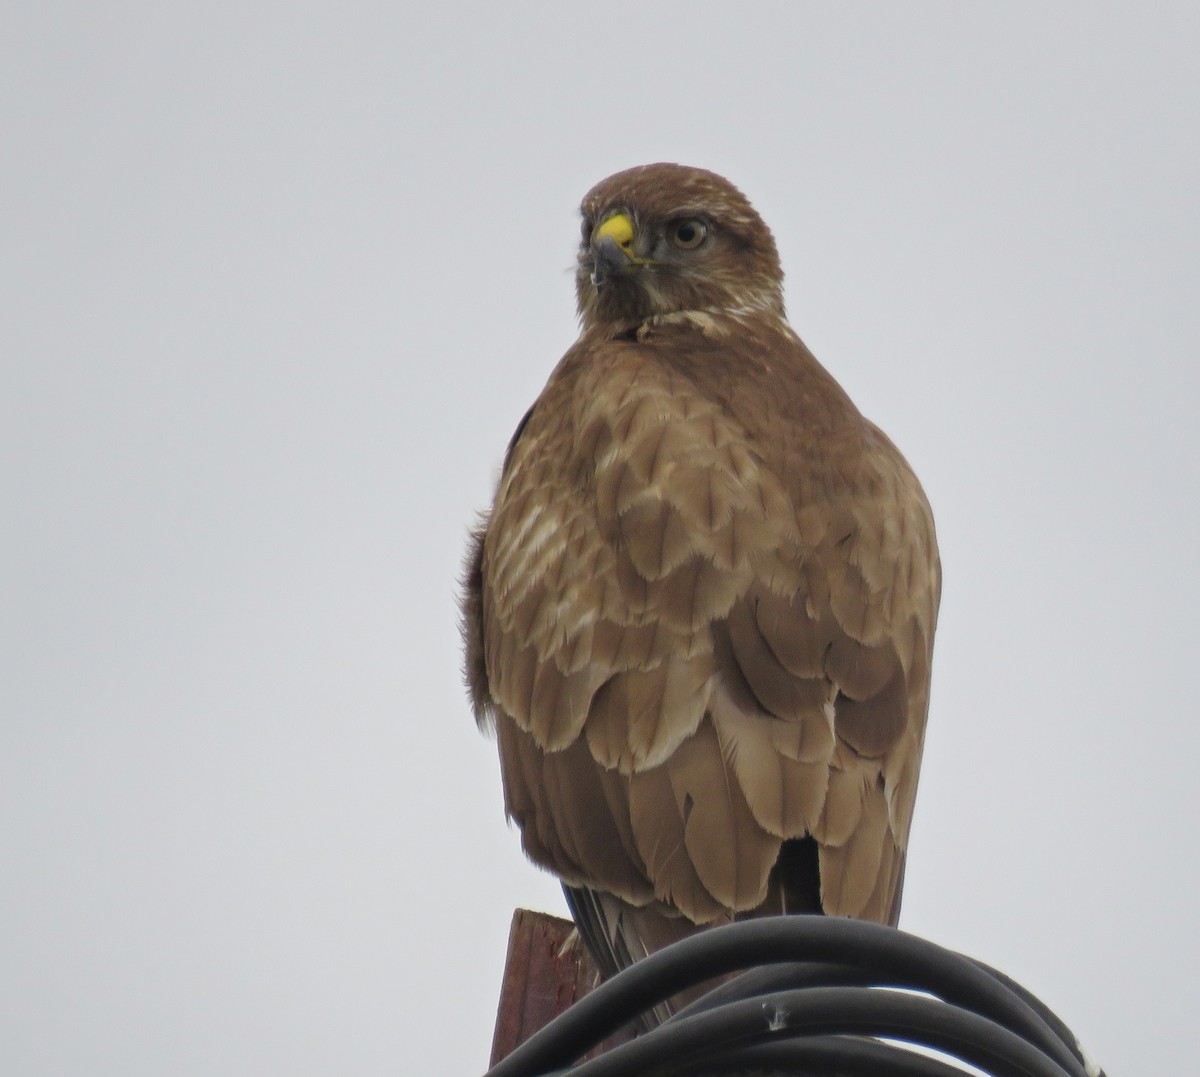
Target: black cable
column 1052, row 1019
column 821, row 1057
column 682, row 1050
column 766, row 981
column 816, row 1056
column 889, row 955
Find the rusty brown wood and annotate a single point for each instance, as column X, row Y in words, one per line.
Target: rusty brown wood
column 546, row 971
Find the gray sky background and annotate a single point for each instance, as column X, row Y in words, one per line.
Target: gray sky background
column 276, row 283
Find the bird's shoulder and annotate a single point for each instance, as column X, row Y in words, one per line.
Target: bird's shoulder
column 736, row 386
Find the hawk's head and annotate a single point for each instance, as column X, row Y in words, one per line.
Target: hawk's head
column 662, row 239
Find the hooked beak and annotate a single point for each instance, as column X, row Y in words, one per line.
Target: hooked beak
column 608, row 260
column 612, row 249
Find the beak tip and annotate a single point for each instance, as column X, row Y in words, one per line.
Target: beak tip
column 608, row 259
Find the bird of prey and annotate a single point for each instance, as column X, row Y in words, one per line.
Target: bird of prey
column 700, row 613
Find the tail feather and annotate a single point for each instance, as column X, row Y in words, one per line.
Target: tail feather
column 617, row 934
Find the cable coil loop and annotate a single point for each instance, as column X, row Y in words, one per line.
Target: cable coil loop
column 823, row 995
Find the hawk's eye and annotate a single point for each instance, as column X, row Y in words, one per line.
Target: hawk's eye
column 688, row 233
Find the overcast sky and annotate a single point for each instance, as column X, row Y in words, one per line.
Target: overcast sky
column 276, row 283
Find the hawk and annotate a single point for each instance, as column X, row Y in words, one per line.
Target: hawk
column 700, row 613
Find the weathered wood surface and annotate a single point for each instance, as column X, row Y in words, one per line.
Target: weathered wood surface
column 547, row 970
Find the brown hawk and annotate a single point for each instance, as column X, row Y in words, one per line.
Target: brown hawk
column 700, row 614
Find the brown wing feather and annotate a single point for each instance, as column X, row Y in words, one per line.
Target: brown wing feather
column 702, row 613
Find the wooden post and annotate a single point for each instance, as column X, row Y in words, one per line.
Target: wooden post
column 546, row 971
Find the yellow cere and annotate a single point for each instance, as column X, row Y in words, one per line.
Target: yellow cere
column 619, row 226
